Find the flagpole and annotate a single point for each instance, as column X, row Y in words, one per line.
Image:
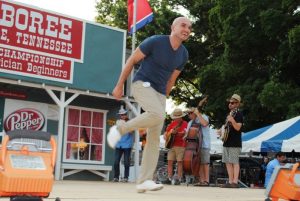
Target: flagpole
column 137, row 136
column 134, row 26
column 133, row 39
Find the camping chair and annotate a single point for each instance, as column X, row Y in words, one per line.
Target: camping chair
column 284, row 183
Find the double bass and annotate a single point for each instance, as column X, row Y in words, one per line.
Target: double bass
column 191, row 157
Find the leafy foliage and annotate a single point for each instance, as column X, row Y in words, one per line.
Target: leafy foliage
column 237, row 46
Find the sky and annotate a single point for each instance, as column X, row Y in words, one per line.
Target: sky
column 83, row 9
column 170, row 106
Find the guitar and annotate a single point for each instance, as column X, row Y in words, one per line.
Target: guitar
column 170, row 136
column 226, row 127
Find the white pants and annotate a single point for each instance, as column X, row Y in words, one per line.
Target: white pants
column 153, row 103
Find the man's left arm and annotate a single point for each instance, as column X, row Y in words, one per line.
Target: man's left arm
column 172, row 81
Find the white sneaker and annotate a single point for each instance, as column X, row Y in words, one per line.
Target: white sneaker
column 113, row 136
column 148, row 185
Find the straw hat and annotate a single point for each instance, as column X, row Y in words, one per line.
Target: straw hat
column 122, row 111
column 235, row 97
column 177, row 113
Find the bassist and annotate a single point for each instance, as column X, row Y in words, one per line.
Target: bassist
column 232, row 146
column 177, row 129
column 200, row 120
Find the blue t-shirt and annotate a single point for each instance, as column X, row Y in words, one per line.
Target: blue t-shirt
column 126, row 141
column 160, row 62
column 269, row 171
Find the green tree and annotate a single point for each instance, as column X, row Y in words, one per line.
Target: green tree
column 249, row 47
column 257, row 53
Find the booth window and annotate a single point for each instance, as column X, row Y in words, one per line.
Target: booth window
column 84, row 135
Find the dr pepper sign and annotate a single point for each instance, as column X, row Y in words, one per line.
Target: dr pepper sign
column 24, row 119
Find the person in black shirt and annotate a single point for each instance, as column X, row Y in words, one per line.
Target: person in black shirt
column 232, row 145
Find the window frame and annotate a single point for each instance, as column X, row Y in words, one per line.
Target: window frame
column 65, row 142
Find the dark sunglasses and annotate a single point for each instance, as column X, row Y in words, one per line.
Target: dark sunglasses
column 231, row 103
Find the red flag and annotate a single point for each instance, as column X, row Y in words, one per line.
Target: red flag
column 144, row 14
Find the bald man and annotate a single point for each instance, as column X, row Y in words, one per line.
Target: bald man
column 162, row 59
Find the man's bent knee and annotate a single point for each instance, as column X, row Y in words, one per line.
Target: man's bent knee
column 157, row 118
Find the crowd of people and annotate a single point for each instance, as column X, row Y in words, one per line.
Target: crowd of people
column 176, row 135
column 199, row 122
column 161, row 59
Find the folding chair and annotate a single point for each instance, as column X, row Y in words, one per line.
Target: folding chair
column 284, row 183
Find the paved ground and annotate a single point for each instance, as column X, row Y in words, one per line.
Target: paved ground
column 108, row 191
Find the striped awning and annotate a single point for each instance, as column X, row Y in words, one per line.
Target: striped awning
column 283, row 136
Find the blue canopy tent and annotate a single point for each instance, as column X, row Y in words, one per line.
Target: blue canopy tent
column 283, row 136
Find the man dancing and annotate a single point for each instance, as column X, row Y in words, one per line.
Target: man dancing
column 162, row 59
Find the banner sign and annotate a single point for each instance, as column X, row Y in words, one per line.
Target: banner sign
column 52, row 49
column 39, row 31
column 19, row 114
column 35, row 65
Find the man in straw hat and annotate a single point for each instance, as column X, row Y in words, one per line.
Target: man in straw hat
column 162, row 59
column 232, row 145
column 174, row 135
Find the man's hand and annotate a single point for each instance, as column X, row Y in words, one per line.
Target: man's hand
column 131, row 61
column 165, row 135
column 118, row 92
column 230, row 119
column 171, row 81
column 236, row 126
column 196, row 111
column 219, row 132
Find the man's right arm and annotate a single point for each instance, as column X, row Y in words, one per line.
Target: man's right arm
column 137, row 56
column 202, row 120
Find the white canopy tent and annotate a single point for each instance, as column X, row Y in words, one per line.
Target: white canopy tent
column 283, row 136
